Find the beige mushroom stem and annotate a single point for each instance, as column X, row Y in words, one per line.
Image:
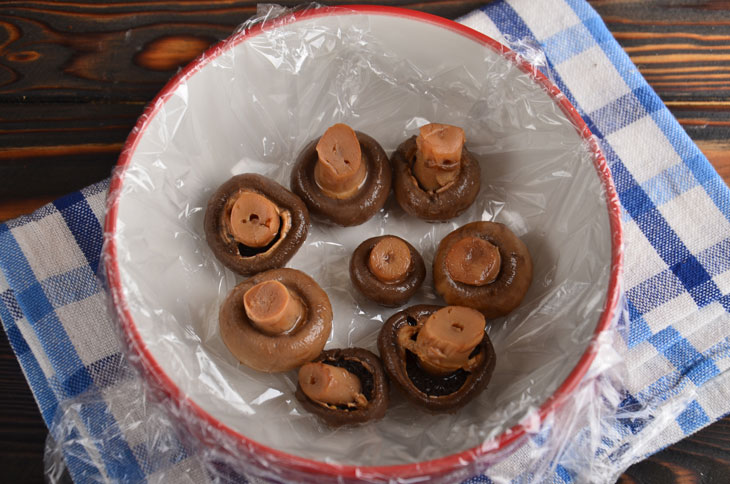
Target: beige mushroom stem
column 473, row 261
column 254, row 220
column 330, row 384
column 438, row 155
column 448, row 337
column 339, row 170
column 272, row 308
column 390, row 260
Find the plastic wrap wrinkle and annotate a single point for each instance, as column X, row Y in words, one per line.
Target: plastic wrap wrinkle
column 255, row 102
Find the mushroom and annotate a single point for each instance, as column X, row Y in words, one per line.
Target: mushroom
column 387, row 270
column 440, row 357
column 253, row 224
column 344, row 176
column 483, row 265
column 436, row 177
column 276, row 320
column 344, row 387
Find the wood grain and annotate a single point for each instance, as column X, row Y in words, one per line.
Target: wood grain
column 22, row 432
column 702, row 458
column 13, row 208
column 111, row 51
column 111, row 59
column 718, row 152
column 681, row 47
column 76, row 74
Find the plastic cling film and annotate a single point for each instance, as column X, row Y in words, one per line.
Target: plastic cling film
column 180, row 401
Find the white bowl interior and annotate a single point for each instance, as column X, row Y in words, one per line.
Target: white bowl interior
column 251, row 109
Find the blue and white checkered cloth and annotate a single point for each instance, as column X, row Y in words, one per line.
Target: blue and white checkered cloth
column 676, row 216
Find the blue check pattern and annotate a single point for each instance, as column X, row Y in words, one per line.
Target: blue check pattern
column 675, row 336
column 676, row 343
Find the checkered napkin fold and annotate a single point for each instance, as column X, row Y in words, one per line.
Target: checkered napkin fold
column 676, row 218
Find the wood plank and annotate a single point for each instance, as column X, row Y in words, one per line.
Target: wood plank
column 718, row 152
column 11, row 209
column 53, row 148
column 110, row 51
column 46, row 172
column 673, row 43
column 46, row 123
column 115, row 51
column 699, row 459
column 12, row 154
column 699, row 105
column 22, row 431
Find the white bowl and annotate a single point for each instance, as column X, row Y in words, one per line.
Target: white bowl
column 249, row 105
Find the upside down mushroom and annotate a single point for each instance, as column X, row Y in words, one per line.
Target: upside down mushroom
column 440, row 357
column 253, row 224
column 344, row 387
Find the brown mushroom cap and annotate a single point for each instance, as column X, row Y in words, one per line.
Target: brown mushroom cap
column 387, row 294
column 502, row 295
column 293, row 225
column 444, row 393
column 367, row 367
column 272, row 353
column 443, row 204
column 363, row 204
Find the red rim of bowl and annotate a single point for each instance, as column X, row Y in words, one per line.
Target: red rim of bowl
column 438, row 466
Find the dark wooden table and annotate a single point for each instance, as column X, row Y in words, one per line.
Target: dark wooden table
column 74, row 77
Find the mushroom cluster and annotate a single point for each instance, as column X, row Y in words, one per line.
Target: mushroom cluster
column 280, row 319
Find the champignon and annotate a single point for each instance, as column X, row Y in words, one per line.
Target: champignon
column 436, row 177
column 440, row 357
column 483, row 265
column 387, row 270
column 276, row 320
column 344, row 387
column 253, row 224
column 343, row 177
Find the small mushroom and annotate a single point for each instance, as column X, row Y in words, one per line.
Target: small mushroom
column 440, row 357
column 483, row 265
column 253, row 224
column 436, row 177
column 276, row 320
column 344, row 387
column 387, row 270
column 344, row 176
